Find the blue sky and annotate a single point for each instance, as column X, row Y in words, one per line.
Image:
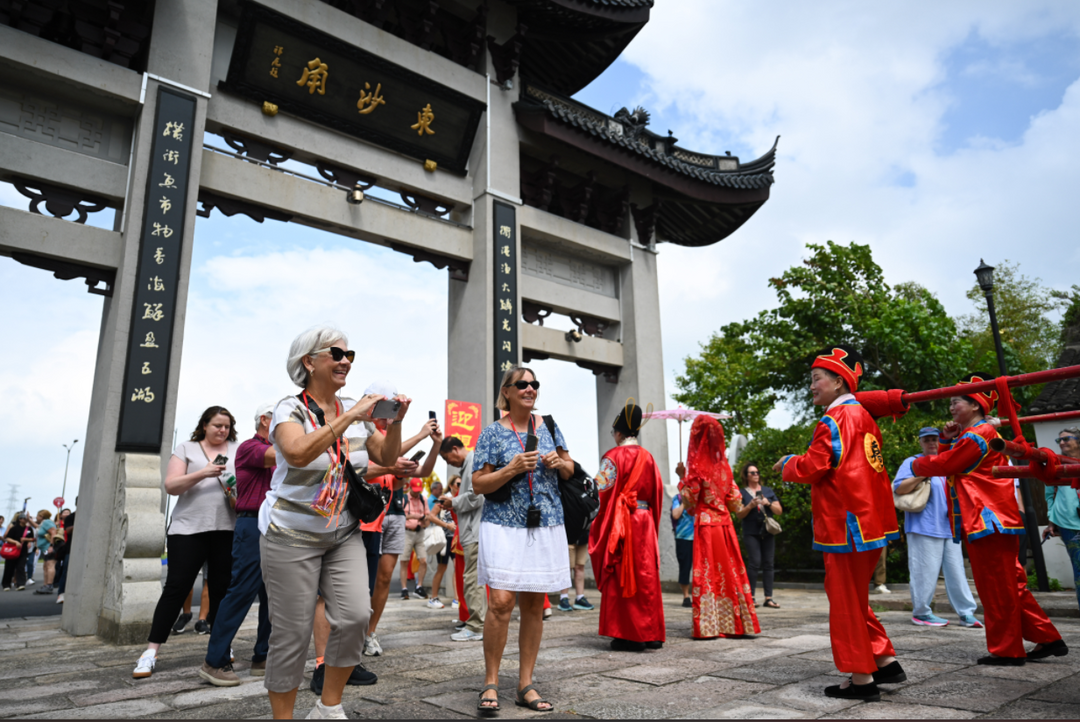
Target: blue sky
column 937, row 136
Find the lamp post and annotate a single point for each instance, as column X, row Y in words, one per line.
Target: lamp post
column 985, row 276
column 63, row 493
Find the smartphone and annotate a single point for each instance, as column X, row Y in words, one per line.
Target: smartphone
column 386, row 409
column 432, row 415
column 530, row 443
column 220, row 460
column 417, row 456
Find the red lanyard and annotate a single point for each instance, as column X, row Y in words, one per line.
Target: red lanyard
column 337, row 441
column 518, row 437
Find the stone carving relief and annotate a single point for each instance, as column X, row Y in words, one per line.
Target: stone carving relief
column 545, row 262
column 65, row 124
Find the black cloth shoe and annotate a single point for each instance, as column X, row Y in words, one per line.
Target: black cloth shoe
column 861, row 692
column 361, row 676
column 890, row 674
column 654, row 645
column 420, row 593
column 405, row 594
column 317, row 679
column 688, row 602
column 625, row 645
column 993, row 661
column 1054, row 649
column 181, row 623
column 202, row 626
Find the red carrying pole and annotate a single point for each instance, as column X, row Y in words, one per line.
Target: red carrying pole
column 1058, row 416
column 1039, row 377
column 1018, row 451
column 1062, row 474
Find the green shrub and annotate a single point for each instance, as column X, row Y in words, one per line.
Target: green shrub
column 1033, row 583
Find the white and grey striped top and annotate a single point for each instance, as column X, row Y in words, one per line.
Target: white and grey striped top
column 286, row 516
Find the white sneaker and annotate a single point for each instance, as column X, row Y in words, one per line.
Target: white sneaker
column 434, row 603
column 372, row 648
column 467, row 635
column 881, row 589
column 59, row 598
column 145, row 667
column 30, row 581
column 321, row 711
column 454, row 604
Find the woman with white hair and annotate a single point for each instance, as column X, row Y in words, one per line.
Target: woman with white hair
column 310, row 542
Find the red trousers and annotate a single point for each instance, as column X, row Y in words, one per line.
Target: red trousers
column 857, row 635
column 459, row 587
column 1010, row 612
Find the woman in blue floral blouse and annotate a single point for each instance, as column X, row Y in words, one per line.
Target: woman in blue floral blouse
column 522, row 552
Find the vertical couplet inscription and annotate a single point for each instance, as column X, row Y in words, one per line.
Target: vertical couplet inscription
column 506, row 273
column 146, row 375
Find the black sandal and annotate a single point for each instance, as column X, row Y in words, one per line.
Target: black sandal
column 488, row 708
column 770, row 604
column 535, row 704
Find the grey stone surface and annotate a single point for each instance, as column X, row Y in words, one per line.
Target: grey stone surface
column 965, row 691
column 891, row 710
column 1033, row 709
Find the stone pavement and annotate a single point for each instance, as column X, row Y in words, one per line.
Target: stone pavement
column 423, row 675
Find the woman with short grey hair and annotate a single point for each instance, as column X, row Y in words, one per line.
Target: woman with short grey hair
column 310, row 543
column 1063, row 506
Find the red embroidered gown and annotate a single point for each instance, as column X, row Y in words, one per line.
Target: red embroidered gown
column 723, row 604
column 624, row 546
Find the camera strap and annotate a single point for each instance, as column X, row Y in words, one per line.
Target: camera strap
column 522, row 445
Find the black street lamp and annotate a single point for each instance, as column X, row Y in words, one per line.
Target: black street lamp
column 985, row 276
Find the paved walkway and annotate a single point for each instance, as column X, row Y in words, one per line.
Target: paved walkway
column 424, row 675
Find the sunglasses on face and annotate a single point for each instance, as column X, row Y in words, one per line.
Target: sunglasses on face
column 522, row 385
column 753, row 473
column 337, row 353
column 1063, row 439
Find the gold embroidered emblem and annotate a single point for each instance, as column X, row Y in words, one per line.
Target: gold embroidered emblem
column 873, row 453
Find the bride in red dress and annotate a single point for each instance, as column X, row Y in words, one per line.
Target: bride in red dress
column 723, row 603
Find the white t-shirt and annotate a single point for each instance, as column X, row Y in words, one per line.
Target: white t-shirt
column 286, row 516
column 203, row 507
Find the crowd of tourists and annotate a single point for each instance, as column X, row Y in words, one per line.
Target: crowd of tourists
column 314, row 513
column 30, row 540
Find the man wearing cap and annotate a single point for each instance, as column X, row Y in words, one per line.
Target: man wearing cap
column 255, row 462
column 984, row 510
column 854, row 519
column 930, row 547
column 623, row 540
column 416, row 521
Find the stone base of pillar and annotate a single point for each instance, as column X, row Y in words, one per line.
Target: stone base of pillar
column 133, row 573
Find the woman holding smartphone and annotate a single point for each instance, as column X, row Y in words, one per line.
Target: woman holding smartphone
column 201, row 528
column 522, row 554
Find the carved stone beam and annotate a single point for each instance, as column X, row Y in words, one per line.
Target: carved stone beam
column 459, row 270
column 465, row 41
column 232, row 206
column 431, row 206
column 507, row 56
column 256, row 148
column 537, row 189
column 645, row 221
column 65, row 271
column 534, row 312
column 59, row 202
column 610, row 211
column 589, row 325
column 610, row 373
column 577, row 201
column 528, row 355
column 345, row 176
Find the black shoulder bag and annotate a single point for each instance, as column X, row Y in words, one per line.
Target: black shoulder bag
column 363, row 501
column 580, row 497
column 503, row 492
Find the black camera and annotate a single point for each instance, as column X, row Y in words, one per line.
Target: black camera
column 532, row 517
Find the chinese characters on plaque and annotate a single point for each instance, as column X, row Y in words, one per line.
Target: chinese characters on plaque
column 506, row 321
column 463, row 420
column 146, row 375
column 303, row 71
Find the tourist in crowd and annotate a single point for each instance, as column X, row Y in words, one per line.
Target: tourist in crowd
column 416, row 522
column 579, row 557
column 201, row 528
column 468, row 507
column 69, row 533
column 454, row 543
column 759, row 503
column 624, row 540
column 254, row 463
column 1064, row 506
column 522, row 552
column 683, row 523
column 393, row 524
column 930, row 544
column 878, row 578
column 309, row 542
column 30, row 562
column 20, row 532
column 991, row 521
column 722, row 600
column 854, row 518
column 442, row 519
column 44, row 534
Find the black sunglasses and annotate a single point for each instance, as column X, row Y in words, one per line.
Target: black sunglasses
column 522, row 385
column 338, row 353
column 1063, row 439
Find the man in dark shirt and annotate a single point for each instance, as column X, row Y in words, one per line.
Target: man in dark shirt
column 255, row 462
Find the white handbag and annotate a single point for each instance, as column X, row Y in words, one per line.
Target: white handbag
column 914, row 501
column 434, row 539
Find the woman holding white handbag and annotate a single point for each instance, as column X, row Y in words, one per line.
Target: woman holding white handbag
column 925, row 503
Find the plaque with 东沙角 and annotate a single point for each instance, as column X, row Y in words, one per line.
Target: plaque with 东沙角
column 312, row 75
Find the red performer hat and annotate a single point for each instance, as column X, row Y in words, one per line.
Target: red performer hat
column 842, row 360
column 986, row 399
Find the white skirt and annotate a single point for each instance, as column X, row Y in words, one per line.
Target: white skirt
column 523, row 560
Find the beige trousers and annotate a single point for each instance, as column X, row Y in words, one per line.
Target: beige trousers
column 475, row 597
column 879, row 570
column 293, row 576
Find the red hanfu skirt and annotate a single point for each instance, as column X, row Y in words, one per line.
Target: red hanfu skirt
column 723, row 604
column 639, row 618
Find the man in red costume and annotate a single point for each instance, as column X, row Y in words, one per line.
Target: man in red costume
column 623, row 542
column 854, row 518
column 984, row 510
